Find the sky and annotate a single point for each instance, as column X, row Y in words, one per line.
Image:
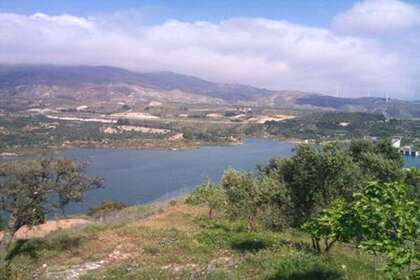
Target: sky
column 345, row 48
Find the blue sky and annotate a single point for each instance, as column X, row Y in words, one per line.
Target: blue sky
column 358, row 47
column 310, row 12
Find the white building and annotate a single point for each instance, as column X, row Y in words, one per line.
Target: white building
column 396, row 143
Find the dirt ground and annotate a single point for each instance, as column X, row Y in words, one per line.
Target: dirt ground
column 42, row 230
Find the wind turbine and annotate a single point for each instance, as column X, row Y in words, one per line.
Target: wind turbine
column 386, row 96
column 337, row 90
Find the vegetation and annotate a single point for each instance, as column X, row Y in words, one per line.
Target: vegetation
column 328, row 191
column 383, row 219
column 324, row 126
column 209, row 194
column 182, row 243
column 339, row 211
column 19, row 131
column 31, row 189
column 247, row 195
column 105, row 207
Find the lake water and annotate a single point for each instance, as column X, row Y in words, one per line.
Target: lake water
column 412, row 161
column 137, row 176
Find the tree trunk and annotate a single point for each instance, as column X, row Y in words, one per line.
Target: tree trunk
column 252, row 224
column 313, row 243
column 6, row 241
column 210, row 213
column 329, row 245
column 316, row 245
column 9, row 232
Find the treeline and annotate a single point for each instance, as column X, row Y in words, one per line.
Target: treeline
column 358, row 193
column 339, row 125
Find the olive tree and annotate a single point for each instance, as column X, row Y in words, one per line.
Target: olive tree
column 314, row 177
column 30, row 189
column 248, row 195
column 209, row 194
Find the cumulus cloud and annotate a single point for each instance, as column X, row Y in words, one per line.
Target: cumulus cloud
column 257, row 51
column 378, row 17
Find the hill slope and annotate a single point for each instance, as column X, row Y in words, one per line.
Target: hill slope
column 23, row 86
column 180, row 242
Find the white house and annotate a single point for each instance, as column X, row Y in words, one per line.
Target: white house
column 396, row 143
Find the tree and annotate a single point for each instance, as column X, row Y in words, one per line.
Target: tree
column 247, row 195
column 314, row 177
column 30, row 189
column 326, row 226
column 385, row 148
column 377, row 167
column 412, row 179
column 383, row 219
column 378, row 161
column 210, row 194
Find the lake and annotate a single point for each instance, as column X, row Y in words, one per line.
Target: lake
column 139, row 176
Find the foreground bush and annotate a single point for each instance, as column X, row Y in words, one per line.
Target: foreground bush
column 383, row 219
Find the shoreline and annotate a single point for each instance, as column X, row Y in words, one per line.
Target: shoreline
column 145, row 145
column 149, row 144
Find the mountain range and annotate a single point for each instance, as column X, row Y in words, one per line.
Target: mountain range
column 25, row 86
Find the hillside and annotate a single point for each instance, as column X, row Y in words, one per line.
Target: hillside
column 104, row 83
column 48, row 86
column 177, row 241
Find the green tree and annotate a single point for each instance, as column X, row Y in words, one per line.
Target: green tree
column 209, row 194
column 248, row 195
column 378, row 161
column 314, row 177
column 383, row 219
column 326, row 226
column 30, row 189
column 412, row 179
column 385, row 148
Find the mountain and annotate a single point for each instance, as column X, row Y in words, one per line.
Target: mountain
column 83, row 76
column 23, row 86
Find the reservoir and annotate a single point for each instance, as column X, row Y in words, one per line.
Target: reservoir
column 141, row 176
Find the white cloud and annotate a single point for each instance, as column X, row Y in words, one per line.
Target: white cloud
column 378, row 17
column 257, row 51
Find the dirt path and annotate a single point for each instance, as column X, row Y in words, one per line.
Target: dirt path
column 44, row 229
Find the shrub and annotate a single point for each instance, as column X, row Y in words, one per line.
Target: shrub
column 105, row 207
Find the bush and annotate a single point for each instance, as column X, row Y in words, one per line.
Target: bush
column 105, row 207
column 305, row 266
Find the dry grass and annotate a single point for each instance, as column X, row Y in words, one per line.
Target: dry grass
column 179, row 242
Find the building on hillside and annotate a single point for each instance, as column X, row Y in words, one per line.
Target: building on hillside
column 396, row 142
column 409, row 151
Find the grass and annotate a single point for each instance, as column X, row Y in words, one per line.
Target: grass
column 179, row 242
